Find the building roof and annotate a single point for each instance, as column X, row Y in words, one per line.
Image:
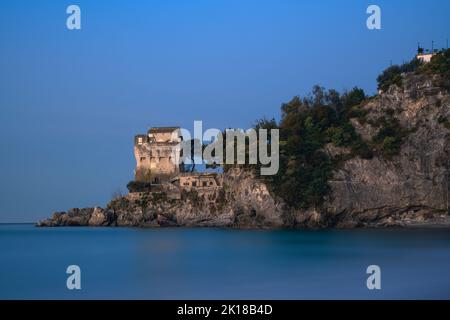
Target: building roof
column 162, row 129
column 426, row 54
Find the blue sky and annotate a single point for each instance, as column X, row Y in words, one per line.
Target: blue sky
column 71, row 101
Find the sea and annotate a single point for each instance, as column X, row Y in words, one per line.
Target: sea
column 207, row 263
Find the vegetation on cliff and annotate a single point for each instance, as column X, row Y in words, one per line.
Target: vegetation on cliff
column 439, row 65
column 139, row 186
column 307, row 125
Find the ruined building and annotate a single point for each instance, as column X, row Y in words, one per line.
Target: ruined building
column 158, row 154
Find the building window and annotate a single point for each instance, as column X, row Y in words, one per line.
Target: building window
column 143, row 158
column 140, row 140
column 194, row 183
column 210, row 183
column 205, row 183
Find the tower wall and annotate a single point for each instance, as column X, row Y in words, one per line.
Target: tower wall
column 157, row 155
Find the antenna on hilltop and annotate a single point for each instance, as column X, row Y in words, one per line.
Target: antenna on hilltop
column 419, row 49
column 432, row 46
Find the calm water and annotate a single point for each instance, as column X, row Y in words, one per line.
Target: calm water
column 122, row 263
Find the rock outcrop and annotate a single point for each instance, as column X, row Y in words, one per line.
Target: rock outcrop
column 241, row 202
column 409, row 188
column 412, row 185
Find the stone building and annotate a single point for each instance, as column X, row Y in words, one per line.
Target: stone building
column 198, row 180
column 158, row 154
column 425, row 57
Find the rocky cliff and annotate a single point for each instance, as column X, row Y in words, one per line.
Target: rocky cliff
column 241, row 202
column 406, row 188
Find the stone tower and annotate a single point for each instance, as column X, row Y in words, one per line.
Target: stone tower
column 158, row 154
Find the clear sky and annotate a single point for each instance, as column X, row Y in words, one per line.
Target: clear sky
column 71, row 101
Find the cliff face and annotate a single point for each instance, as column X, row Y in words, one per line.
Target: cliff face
column 407, row 188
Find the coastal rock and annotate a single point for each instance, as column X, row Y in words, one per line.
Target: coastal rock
column 98, row 217
column 408, row 189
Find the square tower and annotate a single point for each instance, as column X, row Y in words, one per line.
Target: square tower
column 158, row 154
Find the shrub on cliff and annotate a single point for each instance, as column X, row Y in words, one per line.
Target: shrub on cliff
column 389, row 138
column 138, row 186
column 393, row 74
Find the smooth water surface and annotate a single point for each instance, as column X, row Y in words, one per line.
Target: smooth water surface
column 126, row 263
